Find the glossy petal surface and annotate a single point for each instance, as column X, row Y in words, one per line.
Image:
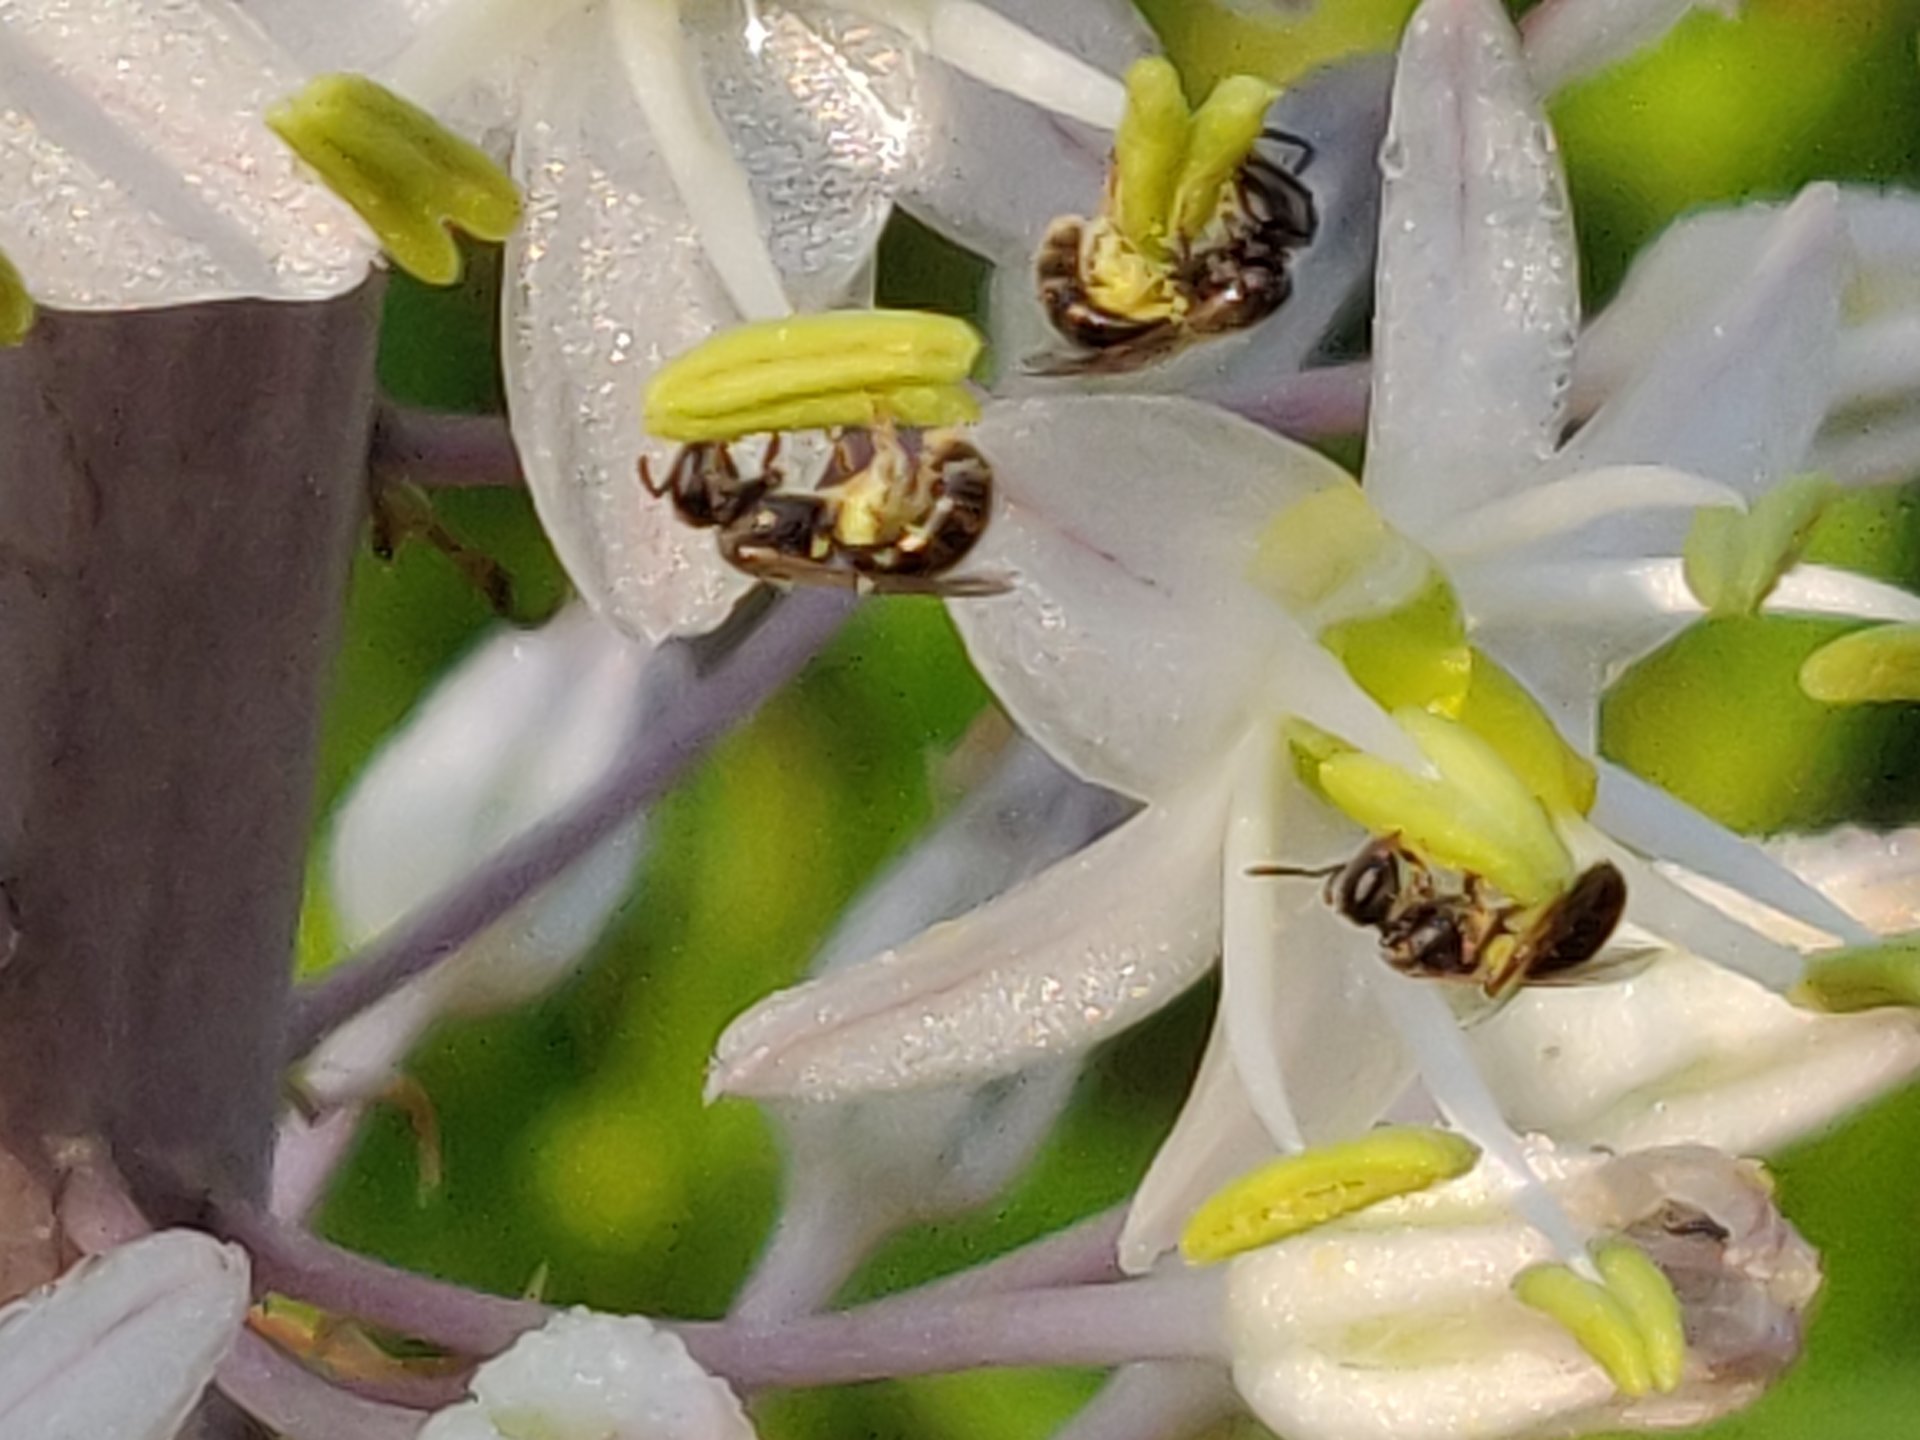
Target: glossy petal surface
column 1477, row 299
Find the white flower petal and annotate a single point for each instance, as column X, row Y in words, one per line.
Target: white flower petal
column 1686, row 1052
column 1738, row 396
column 1646, row 817
column 612, row 1377
column 521, row 730
column 1477, row 299
column 979, row 41
column 609, row 279
column 1309, row 1042
column 131, row 137
column 1217, row 1137
column 1877, row 447
column 824, row 112
column 861, row 1169
column 1156, row 1400
column 1874, row 874
column 1536, row 519
column 1568, row 40
column 123, row 1344
column 1130, row 526
column 1066, row 960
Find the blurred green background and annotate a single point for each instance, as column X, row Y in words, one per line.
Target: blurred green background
column 575, row 1142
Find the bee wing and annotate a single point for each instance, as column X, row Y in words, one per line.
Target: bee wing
column 795, row 570
column 1621, row 960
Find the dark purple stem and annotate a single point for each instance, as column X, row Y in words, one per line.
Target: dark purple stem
column 695, row 699
column 289, row 1261
column 437, row 450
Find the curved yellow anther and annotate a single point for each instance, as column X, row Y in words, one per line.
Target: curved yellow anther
column 1478, row 816
column 806, row 372
column 1322, row 1184
column 403, row 172
column 1596, row 1318
column 16, row 305
column 1222, row 135
column 1646, row 1294
column 1871, row 666
column 1148, row 150
column 1863, row 977
column 1734, row 559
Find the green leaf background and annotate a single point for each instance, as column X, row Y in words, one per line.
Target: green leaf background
column 575, row 1141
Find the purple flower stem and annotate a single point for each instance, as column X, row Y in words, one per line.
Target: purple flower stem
column 1086, row 1253
column 437, row 450
column 695, row 697
column 292, row 1262
column 1313, row 404
column 277, row 1390
column 1176, row 1318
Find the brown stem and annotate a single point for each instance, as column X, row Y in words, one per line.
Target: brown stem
column 177, row 513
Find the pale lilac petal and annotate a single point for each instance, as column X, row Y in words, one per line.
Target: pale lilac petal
column 1130, row 526
column 1688, row 1053
column 1878, row 447
column 608, row 280
column 1568, row 40
column 1478, row 297
column 154, row 181
column 123, row 1344
column 1738, row 396
column 861, row 1169
column 1056, row 965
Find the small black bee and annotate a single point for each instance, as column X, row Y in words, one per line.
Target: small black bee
column 1229, row 277
column 1466, row 934
column 892, row 512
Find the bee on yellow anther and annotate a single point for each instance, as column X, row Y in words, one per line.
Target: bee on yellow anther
column 903, row 494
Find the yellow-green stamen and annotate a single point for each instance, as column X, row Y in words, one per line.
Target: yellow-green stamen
column 1630, row 1322
column 1303, row 1191
column 1224, row 131
column 1500, row 711
column 1863, row 977
column 1647, row 1296
column 1873, row 666
column 403, row 172
column 16, row 305
column 1478, row 816
column 1416, row 654
column 845, row 367
column 1595, row 1318
column 1148, row 150
column 1734, row 560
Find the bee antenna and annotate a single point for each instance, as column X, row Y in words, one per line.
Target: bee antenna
column 1324, row 872
column 647, row 482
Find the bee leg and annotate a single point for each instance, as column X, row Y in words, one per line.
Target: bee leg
column 770, row 461
column 653, row 487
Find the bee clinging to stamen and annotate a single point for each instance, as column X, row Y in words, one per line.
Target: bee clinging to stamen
column 892, row 511
column 1124, row 302
column 1438, row 930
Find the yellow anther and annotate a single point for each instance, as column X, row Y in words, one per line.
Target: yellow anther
column 1646, row 1294
column 1415, row 654
column 1224, row 131
column 1596, row 1318
column 1501, row 712
column 1863, row 977
column 806, row 372
column 1733, row 560
column 1477, row 816
column 16, row 305
column 403, row 172
column 1875, row 665
column 1148, row 150
column 1319, row 546
column 1322, row 1184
